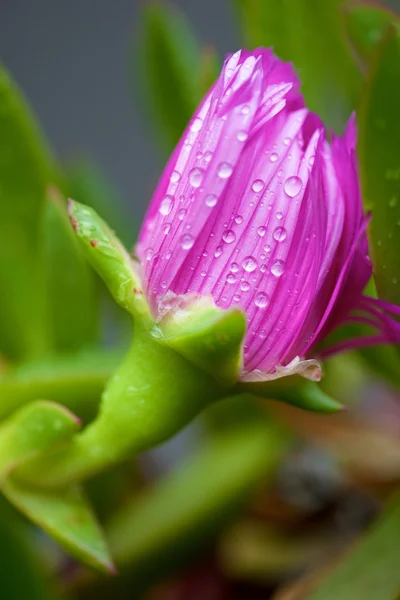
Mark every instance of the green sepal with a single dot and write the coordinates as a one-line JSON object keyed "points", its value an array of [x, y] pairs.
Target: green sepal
{"points": [[31, 430], [365, 23], [67, 517], [379, 143], [209, 337], [302, 394], [72, 297], [108, 257]]}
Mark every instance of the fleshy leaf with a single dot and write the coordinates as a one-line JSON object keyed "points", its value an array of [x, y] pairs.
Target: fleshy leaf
{"points": [[311, 35], [209, 337], [371, 570], [171, 61], [26, 170], [164, 525], [108, 257], [67, 517], [380, 165], [290, 390], [32, 429], [72, 310], [74, 381], [366, 23]]}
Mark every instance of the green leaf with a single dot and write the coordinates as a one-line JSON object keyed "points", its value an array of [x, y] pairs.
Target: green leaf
{"points": [[166, 525], [310, 34], [67, 517], [380, 164], [31, 430], [21, 574], [88, 185], [209, 337], [371, 570], [72, 310], [75, 381], [108, 256], [26, 170], [366, 22], [170, 64]]}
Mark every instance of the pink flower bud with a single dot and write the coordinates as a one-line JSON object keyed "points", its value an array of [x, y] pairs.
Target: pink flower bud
{"points": [[258, 210]]}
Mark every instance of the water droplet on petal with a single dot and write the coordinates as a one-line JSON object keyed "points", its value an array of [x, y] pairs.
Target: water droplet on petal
{"points": [[225, 170], [287, 141], [249, 264], [238, 219], [168, 255], [203, 274], [292, 186], [149, 253], [278, 268], [231, 278], [181, 214], [211, 200], [280, 234], [273, 157], [263, 268], [311, 160], [196, 177], [166, 205], [267, 248], [196, 125], [258, 185], [187, 241], [261, 300], [279, 216], [245, 110], [167, 228], [261, 230], [175, 177], [234, 267], [218, 251], [245, 286], [229, 236], [242, 136]]}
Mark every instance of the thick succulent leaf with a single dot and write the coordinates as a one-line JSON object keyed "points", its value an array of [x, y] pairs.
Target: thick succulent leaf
{"points": [[31, 430], [170, 63], [72, 302], [108, 256], [311, 35], [366, 22], [380, 163], [209, 337], [171, 522], [21, 574], [67, 517], [26, 170], [371, 570], [75, 381]]}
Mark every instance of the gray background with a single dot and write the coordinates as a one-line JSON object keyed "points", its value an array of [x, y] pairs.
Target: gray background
{"points": [[72, 59]]}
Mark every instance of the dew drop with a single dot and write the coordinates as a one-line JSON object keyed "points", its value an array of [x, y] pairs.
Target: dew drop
{"points": [[245, 286], [211, 200], [263, 268], [292, 186], [258, 185], [273, 157], [267, 248], [238, 219], [218, 251], [261, 230], [261, 300], [224, 170], [208, 157], [245, 110], [287, 141], [175, 177], [187, 241], [229, 236], [166, 205], [236, 298], [249, 264], [196, 177], [231, 278], [234, 267], [168, 255], [278, 268], [167, 228], [196, 125], [149, 253], [311, 160], [203, 274], [242, 136], [279, 216], [280, 234], [181, 214]]}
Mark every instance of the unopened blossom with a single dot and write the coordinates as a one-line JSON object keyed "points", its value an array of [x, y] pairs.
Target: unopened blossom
{"points": [[257, 210]]}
